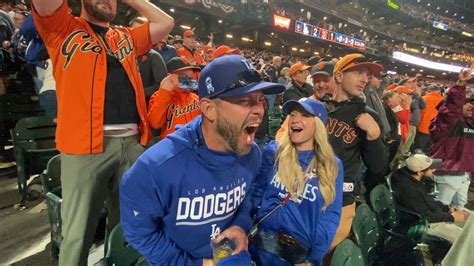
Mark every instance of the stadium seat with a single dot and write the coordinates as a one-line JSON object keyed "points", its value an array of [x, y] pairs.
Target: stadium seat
{"points": [[347, 254], [275, 117], [396, 220], [119, 252], [367, 233], [51, 180], [33, 144], [15, 107]]}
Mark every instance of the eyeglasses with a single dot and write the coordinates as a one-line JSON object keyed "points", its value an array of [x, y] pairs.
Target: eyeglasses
{"points": [[305, 72], [246, 78], [356, 60]]}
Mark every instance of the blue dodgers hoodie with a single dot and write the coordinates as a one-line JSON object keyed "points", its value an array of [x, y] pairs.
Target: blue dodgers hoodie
{"points": [[179, 194], [307, 222]]}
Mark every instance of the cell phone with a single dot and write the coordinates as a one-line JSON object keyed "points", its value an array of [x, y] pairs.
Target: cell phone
{"points": [[187, 83]]}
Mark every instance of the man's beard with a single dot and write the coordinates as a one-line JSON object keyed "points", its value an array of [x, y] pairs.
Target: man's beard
{"points": [[231, 134], [96, 13]]}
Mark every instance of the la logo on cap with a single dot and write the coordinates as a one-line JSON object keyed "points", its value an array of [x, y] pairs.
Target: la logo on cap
{"points": [[210, 88], [248, 64]]}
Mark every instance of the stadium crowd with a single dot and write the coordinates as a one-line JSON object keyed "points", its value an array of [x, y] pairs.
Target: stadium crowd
{"points": [[169, 126]]}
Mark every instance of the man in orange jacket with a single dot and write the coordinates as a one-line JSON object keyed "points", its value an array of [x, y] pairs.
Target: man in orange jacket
{"points": [[174, 103], [432, 99], [101, 107], [188, 51]]}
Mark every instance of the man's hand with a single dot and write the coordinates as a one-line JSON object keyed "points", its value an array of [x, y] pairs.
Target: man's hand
{"points": [[170, 82], [207, 262], [367, 123], [406, 100], [466, 74], [459, 216], [211, 37], [238, 235]]}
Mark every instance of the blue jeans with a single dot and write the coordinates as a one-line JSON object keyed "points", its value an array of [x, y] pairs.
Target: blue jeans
{"points": [[49, 102], [453, 189]]}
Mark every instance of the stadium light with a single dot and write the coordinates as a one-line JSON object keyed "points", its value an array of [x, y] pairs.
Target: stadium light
{"points": [[186, 27], [172, 10], [229, 36], [245, 39], [268, 43], [425, 63], [466, 34], [294, 49]]}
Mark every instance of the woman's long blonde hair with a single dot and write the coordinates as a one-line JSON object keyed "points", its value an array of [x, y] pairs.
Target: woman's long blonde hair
{"points": [[289, 169]]}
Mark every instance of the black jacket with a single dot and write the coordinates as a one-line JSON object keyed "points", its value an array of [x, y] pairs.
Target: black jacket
{"points": [[393, 122], [411, 194], [351, 145], [295, 92]]}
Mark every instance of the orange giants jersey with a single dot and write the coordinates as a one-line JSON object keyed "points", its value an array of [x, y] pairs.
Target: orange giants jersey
{"points": [[80, 69], [167, 109]]}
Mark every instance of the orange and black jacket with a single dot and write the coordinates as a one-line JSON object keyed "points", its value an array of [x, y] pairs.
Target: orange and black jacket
{"points": [[80, 70], [170, 108]]}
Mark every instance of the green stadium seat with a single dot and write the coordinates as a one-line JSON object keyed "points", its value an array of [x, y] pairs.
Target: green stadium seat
{"points": [[367, 233], [347, 254], [33, 144], [51, 180], [397, 220], [119, 252]]}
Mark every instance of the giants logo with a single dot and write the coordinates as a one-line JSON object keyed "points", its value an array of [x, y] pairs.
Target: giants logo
{"points": [[174, 111], [78, 40], [83, 42], [339, 128]]}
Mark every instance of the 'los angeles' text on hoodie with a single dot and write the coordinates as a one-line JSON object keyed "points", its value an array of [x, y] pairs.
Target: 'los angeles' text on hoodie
{"points": [[308, 222]]}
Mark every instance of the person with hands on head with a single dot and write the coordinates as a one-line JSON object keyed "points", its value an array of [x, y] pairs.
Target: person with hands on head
{"points": [[101, 122], [452, 132], [195, 185], [301, 164], [176, 102]]}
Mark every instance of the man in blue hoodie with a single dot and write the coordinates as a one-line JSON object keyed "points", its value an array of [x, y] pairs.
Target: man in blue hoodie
{"points": [[194, 185]]}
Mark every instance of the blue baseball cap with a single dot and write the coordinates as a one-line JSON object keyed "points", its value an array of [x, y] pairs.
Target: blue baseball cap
{"points": [[312, 106], [233, 75]]}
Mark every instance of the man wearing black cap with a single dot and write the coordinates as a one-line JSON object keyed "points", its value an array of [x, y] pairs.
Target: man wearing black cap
{"points": [[195, 185], [323, 81], [176, 102]]}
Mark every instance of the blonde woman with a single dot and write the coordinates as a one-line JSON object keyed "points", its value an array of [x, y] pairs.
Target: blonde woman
{"points": [[303, 168]]}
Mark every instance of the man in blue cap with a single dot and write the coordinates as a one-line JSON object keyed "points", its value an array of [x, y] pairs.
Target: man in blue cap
{"points": [[194, 185]]}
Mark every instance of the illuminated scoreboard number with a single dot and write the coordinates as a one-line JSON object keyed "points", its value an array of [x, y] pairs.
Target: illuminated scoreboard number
{"points": [[299, 27], [316, 32]]}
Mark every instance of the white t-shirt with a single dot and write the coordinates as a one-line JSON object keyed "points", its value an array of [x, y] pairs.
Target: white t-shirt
{"points": [[49, 84]]}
